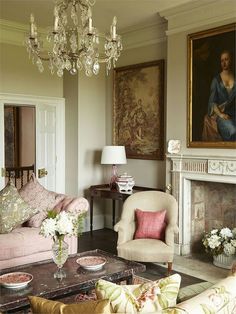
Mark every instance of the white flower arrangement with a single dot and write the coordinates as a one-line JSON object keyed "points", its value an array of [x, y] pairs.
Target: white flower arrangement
{"points": [[61, 224], [220, 241]]}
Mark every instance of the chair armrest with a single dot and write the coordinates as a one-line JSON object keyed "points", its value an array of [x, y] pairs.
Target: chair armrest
{"points": [[125, 231], [171, 230]]}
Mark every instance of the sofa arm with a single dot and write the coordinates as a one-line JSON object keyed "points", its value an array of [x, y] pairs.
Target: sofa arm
{"points": [[74, 204], [220, 298]]}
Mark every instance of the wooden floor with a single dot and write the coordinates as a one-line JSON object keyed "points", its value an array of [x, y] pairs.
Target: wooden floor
{"points": [[106, 239]]}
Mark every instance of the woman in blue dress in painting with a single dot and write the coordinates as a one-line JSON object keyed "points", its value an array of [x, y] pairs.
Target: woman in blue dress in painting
{"points": [[222, 99]]}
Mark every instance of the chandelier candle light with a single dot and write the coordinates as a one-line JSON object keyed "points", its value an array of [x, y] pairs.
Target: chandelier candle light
{"points": [[74, 46], [113, 155]]}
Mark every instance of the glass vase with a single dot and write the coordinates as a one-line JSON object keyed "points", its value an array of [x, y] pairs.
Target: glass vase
{"points": [[59, 255]]}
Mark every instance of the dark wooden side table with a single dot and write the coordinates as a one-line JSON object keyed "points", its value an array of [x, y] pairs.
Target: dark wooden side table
{"points": [[104, 191]]}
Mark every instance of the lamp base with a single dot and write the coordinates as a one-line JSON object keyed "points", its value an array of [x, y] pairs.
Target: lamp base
{"points": [[113, 186]]}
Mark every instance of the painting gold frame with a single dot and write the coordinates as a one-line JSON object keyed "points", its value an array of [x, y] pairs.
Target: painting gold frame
{"points": [[205, 50], [138, 110]]}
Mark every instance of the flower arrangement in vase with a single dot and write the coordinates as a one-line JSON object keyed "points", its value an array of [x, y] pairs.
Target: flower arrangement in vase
{"points": [[221, 244], [58, 225]]}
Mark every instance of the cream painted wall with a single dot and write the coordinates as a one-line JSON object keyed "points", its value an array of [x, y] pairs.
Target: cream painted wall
{"points": [[19, 76], [70, 93], [149, 173], [91, 138]]}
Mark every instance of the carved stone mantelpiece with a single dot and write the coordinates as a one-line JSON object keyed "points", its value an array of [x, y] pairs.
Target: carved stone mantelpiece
{"points": [[224, 167], [186, 168]]}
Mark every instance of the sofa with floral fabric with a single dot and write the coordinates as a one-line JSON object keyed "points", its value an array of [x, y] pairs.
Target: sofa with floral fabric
{"points": [[159, 297], [21, 214]]}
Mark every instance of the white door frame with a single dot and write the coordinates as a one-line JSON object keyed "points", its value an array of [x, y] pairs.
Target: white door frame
{"points": [[37, 101]]}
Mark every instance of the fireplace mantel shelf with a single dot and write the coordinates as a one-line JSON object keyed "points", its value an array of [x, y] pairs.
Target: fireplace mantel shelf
{"points": [[208, 165], [183, 156]]}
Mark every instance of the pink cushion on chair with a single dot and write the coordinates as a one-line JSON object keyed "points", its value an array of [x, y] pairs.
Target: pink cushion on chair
{"points": [[150, 224]]}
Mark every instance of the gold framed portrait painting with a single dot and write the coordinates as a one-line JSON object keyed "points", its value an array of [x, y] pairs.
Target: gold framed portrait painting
{"points": [[212, 88], [138, 109]]}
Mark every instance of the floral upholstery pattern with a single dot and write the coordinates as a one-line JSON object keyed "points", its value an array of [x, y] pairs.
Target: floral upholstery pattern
{"points": [[38, 197], [150, 297], [220, 298], [13, 209]]}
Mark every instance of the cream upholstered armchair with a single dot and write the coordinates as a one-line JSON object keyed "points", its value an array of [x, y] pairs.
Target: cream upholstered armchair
{"points": [[147, 250]]}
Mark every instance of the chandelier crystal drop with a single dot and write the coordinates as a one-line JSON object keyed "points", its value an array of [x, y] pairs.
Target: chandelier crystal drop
{"points": [[75, 46]]}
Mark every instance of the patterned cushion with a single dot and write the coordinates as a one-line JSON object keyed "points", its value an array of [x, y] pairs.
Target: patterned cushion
{"points": [[192, 290], [13, 209], [38, 197], [44, 306], [150, 225], [220, 298], [150, 297]]}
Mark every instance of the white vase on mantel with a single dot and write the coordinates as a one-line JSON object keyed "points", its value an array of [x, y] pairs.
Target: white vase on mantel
{"points": [[223, 261]]}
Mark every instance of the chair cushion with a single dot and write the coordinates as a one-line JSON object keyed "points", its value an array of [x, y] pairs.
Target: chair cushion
{"points": [[150, 297], [150, 224], [38, 197], [13, 209], [146, 250], [43, 306]]}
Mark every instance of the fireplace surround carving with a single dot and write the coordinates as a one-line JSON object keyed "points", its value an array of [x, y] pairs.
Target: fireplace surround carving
{"points": [[185, 169]]}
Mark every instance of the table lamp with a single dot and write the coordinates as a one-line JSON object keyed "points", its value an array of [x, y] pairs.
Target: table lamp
{"points": [[113, 155]]}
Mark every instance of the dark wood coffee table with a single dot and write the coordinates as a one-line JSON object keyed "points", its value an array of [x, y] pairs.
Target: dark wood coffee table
{"points": [[77, 279]]}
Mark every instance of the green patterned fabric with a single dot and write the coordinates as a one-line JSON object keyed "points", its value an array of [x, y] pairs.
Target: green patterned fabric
{"points": [[122, 300], [13, 209], [192, 290], [150, 297]]}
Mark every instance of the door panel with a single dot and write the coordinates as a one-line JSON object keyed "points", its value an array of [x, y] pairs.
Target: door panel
{"points": [[46, 145]]}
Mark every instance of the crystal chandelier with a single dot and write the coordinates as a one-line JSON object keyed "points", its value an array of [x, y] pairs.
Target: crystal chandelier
{"points": [[74, 46]]}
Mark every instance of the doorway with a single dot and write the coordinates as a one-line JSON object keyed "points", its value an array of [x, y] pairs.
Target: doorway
{"points": [[48, 138], [19, 138]]}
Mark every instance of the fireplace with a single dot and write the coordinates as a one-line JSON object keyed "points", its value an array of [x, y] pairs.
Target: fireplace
{"points": [[196, 182]]}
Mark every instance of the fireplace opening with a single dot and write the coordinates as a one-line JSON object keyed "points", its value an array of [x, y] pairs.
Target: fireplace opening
{"points": [[213, 205]]}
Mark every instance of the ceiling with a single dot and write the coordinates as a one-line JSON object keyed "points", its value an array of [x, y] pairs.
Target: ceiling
{"points": [[130, 13]]}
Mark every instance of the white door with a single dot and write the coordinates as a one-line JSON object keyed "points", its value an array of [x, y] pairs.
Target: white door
{"points": [[50, 137], [46, 145]]}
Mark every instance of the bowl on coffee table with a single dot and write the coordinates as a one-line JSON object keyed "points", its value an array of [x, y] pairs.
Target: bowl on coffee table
{"points": [[92, 263]]}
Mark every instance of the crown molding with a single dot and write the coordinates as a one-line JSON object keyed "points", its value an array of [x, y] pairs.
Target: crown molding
{"points": [[14, 34], [199, 13], [139, 36]]}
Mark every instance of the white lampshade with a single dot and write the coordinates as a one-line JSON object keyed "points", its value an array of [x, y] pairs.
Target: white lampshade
{"points": [[113, 155]]}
